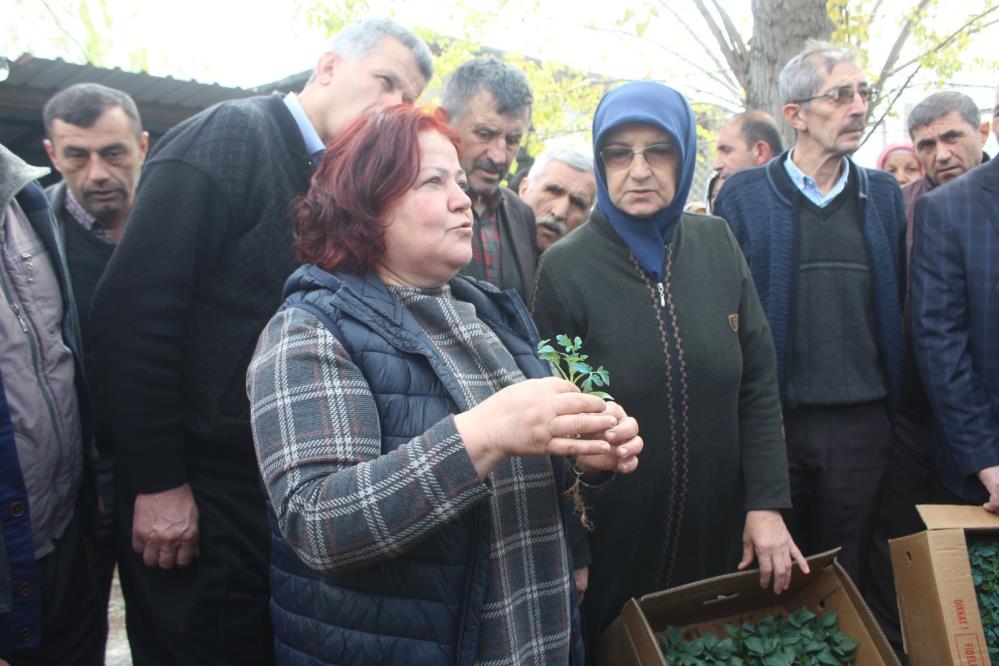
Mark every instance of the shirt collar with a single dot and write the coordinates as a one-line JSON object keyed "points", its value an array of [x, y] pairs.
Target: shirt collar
{"points": [[86, 220], [810, 188], [492, 200], [313, 143]]}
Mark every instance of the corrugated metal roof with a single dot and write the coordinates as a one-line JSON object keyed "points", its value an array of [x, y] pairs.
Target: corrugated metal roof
{"points": [[44, 74], [163, 101]]}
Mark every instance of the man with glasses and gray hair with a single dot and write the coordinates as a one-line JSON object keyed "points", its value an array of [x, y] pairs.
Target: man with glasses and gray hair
{"points": [[825, 242], [560, 189], [489, 102], [176, 318]]}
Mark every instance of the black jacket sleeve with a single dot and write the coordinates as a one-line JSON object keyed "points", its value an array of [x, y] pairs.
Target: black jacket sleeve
{"points": [[139, 318]]}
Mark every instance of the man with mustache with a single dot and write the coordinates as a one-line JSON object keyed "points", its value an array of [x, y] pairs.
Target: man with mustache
{"points": [[560, 189], [825, 242], [95, 140], [948, 134], [489, 103]]}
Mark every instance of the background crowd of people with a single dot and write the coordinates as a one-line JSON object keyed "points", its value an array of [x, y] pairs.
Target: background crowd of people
{"points": [[288, 385]]}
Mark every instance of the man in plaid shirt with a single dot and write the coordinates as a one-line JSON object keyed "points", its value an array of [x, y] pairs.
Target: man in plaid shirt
{"points": [[489, 103]]}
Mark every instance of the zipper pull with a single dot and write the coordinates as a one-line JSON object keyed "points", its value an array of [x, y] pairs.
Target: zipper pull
{"points": [[662, 294], [29, 265], [20, 320]]}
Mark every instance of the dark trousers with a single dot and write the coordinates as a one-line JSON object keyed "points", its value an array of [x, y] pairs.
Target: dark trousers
{"points": [[103, 560], [216, 611], [908, 482], [73, 622], [837, 456]]}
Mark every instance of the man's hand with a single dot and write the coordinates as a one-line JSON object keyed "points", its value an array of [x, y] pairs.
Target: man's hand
{"points": [[165, 528], [990, 479], [766, 538], [581, 577]]}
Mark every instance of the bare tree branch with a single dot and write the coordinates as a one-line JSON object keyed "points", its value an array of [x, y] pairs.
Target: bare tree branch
{"points": [[732, 57], [63, 30], [896, 48], [965, 29], [891, 105], [709, 51], [733, 34], [716, 76]]}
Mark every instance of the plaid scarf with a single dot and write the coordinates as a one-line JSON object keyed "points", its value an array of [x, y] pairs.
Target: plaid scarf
{"points": [[525, 619]]}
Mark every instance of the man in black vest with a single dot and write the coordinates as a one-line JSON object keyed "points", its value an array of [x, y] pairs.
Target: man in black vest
{"points": [[95, 140], [177, 316], [489, 103]]}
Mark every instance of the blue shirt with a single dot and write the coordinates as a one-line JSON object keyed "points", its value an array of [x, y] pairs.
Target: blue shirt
{"points": [[810, 188], [313, 143]]}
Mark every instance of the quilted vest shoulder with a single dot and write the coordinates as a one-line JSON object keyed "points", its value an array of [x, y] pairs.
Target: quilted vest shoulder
{"points": [[423, 607]]}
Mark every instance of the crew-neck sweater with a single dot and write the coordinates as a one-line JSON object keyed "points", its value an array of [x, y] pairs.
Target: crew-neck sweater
{"points": [[835, 360]]}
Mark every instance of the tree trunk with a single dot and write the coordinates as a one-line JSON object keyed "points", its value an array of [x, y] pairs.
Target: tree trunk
{"points": [[780, 30]]}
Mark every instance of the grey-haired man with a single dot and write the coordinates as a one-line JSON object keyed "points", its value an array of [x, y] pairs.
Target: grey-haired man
{"points": [[489, 103], [185, 296], [824, 239], [560, 188]]}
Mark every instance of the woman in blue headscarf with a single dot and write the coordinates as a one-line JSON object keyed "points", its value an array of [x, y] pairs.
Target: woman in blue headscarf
{"points": [[665, 302]]}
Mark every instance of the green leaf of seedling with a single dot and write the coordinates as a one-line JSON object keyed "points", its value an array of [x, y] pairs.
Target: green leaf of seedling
{"points": [[602, 395], [754, 645]]}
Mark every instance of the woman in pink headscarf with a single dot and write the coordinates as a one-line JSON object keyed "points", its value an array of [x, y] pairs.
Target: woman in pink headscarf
{"points": [[899, 159]]}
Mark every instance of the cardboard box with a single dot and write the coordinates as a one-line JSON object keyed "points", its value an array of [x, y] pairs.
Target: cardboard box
{"points": [[708, 605], [941, 624]]}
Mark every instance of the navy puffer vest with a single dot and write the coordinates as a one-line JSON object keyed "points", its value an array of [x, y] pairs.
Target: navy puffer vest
{"points": [[422, 608]]}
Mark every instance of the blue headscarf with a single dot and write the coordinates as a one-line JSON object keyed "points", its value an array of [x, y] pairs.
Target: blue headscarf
{"points": [[658, 105]]}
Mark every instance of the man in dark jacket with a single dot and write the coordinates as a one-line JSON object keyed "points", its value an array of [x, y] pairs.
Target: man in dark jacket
{"points": [[824, 240], [176, 318], [948, 136], [95, 140], [49, 610], [489, 103], [955, 316]]}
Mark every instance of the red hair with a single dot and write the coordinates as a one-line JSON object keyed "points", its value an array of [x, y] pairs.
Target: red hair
{"points": [[373, 162]]}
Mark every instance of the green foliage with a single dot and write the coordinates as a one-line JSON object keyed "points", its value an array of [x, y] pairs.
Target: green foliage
{"points": [[572, 366], [803, 639], [96, 21], [984, 558]]}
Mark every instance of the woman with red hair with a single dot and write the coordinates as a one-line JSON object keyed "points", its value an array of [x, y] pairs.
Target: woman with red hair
{"points": [[411, 442]]}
